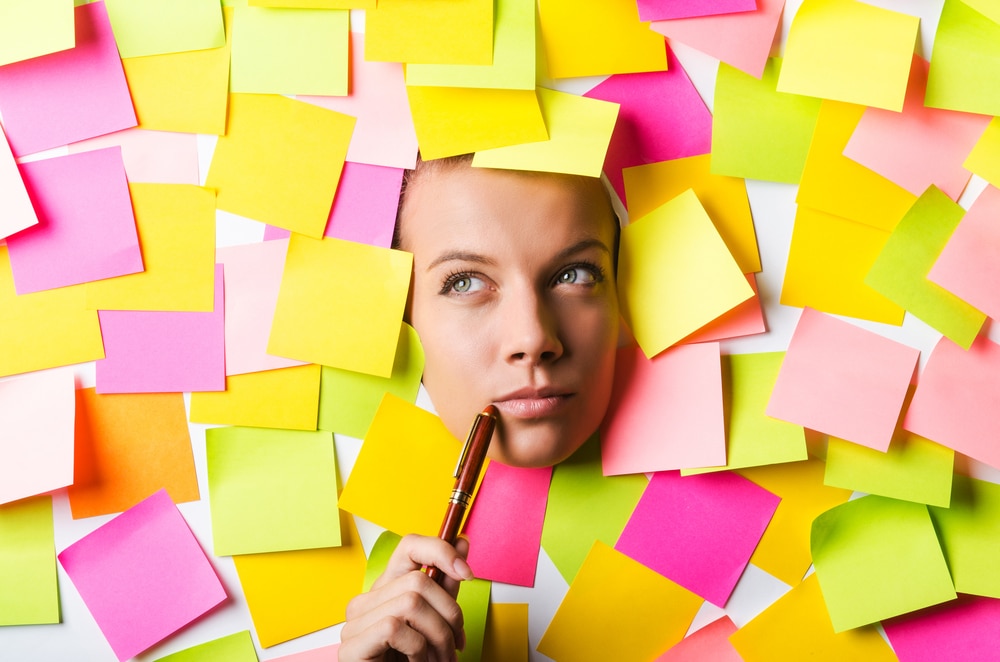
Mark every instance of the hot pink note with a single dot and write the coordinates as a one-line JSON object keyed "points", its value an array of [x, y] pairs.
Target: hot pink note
{"points": [[656, 10], [709, 643], [964, 629]]}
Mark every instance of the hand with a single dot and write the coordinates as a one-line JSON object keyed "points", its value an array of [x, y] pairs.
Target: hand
{"points": [[406, 615]]}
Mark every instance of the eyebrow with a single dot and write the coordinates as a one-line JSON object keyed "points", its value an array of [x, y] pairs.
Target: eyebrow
{"points": [[466, 256]]}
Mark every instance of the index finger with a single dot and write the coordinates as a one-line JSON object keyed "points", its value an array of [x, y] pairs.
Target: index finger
{"points": [[414, 552]]}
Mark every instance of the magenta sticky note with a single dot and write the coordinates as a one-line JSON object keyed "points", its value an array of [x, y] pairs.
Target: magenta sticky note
{"points": [[164, 352], [699, 533], [840, 379], [86, 228], [143, 575], [504, 527], [665, 412], [364, 208], [657, 10], [960, 630], [70, 95], [642, 135]]}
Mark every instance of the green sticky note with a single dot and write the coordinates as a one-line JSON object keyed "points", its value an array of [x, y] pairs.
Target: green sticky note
{"points": [[29, 589], [900, 271], [155, 27], [30, 28], [378, 558], [290, 51], [474, 599], [753, 438], [236, 647], [271, 490], [348, 400], [913, 469], [965, 64], [584, 506], [877, 558], [970, 535], [758, 132]]}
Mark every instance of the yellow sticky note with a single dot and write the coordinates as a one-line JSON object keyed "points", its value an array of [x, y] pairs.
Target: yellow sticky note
{"points": [[430, 32], [618, 609], [282, 398], [155, 27], [849, 51], [724, 198], [459, 120], [403, 474], [29, 28], [341, 304], [828, 260], [579, 134], [506, 636], [984, 159], [280, 161], [44, 329], [674, 254], [598, 37], [176, 225]]}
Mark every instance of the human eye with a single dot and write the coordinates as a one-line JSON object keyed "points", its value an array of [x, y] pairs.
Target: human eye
{"points": [[462, 282], [583, 273]]}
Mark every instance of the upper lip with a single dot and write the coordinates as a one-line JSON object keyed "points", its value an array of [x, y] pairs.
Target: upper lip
{"points": [[533, 393]]}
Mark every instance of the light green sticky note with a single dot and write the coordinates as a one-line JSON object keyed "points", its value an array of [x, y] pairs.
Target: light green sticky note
{"points": [[579, 134], [513, 55], [913, 469], [155, 27], [30, 28], [584, 506], [378, 558], [348, 400], [970, 535], [290, 51], [965, 64], [29, 589], [474, 599], [753, 438], [758, 132], [877, 558], [271, 490], [236, 647], [900, 271]]}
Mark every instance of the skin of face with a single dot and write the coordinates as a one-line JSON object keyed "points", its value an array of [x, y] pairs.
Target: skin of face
{"points": [[515, 304]]}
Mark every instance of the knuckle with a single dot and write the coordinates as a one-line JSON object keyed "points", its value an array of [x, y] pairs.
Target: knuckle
{"points": [[411, 601]]}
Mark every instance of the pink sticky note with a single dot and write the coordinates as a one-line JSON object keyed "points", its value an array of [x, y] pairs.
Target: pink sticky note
{"points": [[843, 380], [505, 525], [384, 133], [698, 533], [665, 412], [38, 411], [16, 212], [641, 135], [955, 402], [159, 157], [919, 146], [746, 319], [322, 654], [143, 575], [740, 40], [164, 352], [657, 10], [86, 228], [964, 629], [709, 643], [968, 266], [70, 95], [253, 279]]}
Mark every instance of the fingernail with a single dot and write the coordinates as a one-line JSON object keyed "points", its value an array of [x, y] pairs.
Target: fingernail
{"points": [[463, 569]]}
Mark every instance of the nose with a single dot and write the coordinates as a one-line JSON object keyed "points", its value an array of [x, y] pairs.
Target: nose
{"points": [[531, 329]]}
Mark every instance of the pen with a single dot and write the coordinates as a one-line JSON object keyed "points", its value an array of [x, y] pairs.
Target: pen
{"points": [[470, 465]]}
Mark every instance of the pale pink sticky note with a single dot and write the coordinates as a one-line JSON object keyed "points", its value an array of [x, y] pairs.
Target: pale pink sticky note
{"points": [[253, 279], [322, 654], [968, 266], [143, 575], [919, 146], [746, 319], [38, 414], [16, 212], [843, 380], [384, 133], [661, 117], [699, 533], [505, 526], [86, 228], [665, 412], [70, 95], [709, 643], [740, 40], [960, 630], [955, 403], [658, 10], [157, 157], [164, 352]]}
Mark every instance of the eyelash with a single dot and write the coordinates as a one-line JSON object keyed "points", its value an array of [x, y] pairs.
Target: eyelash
{"points": [[595, 269]]}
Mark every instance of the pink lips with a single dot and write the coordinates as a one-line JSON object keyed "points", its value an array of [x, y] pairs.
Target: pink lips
{"points": [[532, 403]]}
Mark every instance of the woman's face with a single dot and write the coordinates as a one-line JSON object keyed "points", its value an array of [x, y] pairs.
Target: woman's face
{"points": [[514, 302]]}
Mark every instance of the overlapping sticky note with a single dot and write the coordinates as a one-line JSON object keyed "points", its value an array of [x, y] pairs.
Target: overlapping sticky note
{"points": [[430, 32], [29, 588], [341, 304], [16, 212], [127, 571], [281, 398], [877, 558], [984, 159], [843, 380], [364, 209], [965, 62], [746, 319], [658, 10], [271, 490], [708, 643], [969, 530], [30, 28], [165, 157], [236, 647], [506, 636], [675, 253], [959, 630], [165, 26]]}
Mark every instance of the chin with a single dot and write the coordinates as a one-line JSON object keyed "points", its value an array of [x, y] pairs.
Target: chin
{"points": [[528, 449]]}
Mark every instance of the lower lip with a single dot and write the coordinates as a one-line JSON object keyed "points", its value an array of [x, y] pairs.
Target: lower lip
{"points": [[533, 407]]}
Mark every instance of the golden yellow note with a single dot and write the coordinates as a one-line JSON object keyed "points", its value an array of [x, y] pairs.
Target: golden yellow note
{"points": [[282, 398], [506, 636], [430, 31]]}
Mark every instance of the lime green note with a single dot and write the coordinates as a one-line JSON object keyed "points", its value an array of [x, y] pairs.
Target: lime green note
{"points": [[156, 27], [970, 533], [965, 64], [29, 589], [877, 558], [30, 28], [236, 647], [430, 32], [474, 599], [378, 558], [988, 8], [984, 159], [900, 271]]}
